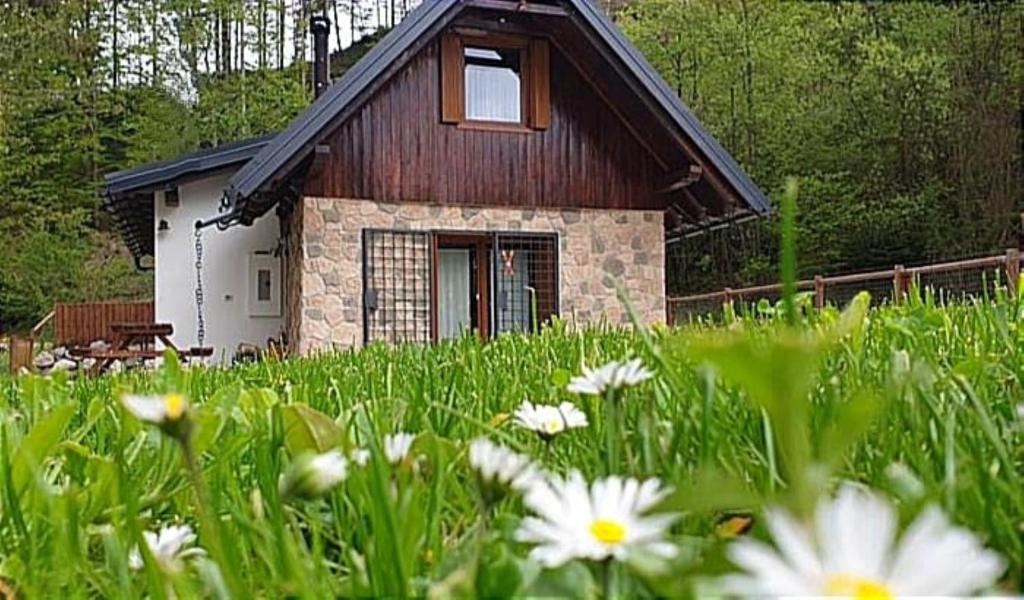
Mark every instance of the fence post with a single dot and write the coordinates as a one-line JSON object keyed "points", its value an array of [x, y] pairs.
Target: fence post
{"points": [[899, 282], [819, 292], [1012, 270], [727, 296]]}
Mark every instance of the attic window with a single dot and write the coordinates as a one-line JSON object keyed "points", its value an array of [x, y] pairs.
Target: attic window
{"points": [[494, 87], [496, 81]]}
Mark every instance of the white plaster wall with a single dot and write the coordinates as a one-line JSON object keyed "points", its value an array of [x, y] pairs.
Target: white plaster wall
{"points": [[225, 271]]}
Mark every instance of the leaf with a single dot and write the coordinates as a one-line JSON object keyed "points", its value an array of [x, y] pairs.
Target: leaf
{"points": [[498, 575], [560, 378], [38, 444], [255, 406], [711, 490], [102, 475], [572, 580], [852, 420], [209, 424], [307, 429], [458, 584]]}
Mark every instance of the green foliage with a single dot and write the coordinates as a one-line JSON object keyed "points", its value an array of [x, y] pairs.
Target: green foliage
{"points": [[241, 105], [899, 120]]}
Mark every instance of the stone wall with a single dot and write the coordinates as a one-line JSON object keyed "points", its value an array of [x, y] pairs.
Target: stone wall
{"points": [[598, 248], [293, 269]]}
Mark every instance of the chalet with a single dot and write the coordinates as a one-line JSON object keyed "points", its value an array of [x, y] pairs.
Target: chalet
{"points": [[489, 164]]}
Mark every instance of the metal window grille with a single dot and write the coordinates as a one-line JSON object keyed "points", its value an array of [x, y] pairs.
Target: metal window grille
{"points": [[396, 286], [525, 281]]}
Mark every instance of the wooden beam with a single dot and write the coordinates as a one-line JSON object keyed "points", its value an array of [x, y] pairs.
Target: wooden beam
{"points": [[686, 213], [691, 200], [476, 25], [518, 7], [681, 179]]}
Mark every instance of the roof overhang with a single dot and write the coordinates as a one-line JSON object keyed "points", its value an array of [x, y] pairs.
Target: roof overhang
{"points": [[128, 194]]}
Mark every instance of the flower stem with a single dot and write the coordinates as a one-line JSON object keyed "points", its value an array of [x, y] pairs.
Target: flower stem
{"points": [[608, 579], [611, 428], [209, 526]]}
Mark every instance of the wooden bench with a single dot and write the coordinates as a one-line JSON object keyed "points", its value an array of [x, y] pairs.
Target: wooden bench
{"points": [[137, 341]]}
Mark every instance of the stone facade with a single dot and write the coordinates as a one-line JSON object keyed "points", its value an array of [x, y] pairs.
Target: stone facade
{"points": [[598, 249], [293, 267]]}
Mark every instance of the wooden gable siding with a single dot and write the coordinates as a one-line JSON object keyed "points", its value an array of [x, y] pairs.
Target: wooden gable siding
{"points": [[396, 149]]}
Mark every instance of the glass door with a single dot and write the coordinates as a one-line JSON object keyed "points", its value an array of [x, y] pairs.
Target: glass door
{"points": [[462, 275], [454, 295]]}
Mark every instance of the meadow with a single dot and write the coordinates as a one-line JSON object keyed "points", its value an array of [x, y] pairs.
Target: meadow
{"points": [[920, 403]]}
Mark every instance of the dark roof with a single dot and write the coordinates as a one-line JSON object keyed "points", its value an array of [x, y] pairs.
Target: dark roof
{"points": [[298, 140], [203, 161], [303, 131], [128, 194]]}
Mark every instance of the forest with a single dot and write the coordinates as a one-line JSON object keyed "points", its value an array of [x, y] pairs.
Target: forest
{"points": [[902, 122]]}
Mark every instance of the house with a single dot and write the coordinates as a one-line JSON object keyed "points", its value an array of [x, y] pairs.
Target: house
{"points": [[489, 164]]}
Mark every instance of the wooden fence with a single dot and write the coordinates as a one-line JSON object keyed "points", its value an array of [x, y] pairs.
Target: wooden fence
{"points": [[77, 325], [80, 324], [964, 278]]}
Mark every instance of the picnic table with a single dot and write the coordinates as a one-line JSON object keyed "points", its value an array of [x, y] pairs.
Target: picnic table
{"points": [[137, 341]]}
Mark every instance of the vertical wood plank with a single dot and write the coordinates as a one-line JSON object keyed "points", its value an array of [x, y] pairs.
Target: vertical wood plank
{"points": [[397, 148]]}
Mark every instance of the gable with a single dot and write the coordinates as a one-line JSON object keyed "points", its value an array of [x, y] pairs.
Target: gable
{"points": [[396, 148], [701, 184]]}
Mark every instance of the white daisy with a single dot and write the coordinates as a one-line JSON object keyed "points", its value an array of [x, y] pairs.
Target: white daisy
{"points": [[608, 520], [169, 412], [852, 552], [396, 447], [499, 466], [312, 475], [169, 547], [360, 456], [548, 420], [611, 376], [157, 410]]}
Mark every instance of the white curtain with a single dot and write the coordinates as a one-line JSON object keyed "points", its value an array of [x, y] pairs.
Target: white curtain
{"points": [[492, 94], [453, 292]]}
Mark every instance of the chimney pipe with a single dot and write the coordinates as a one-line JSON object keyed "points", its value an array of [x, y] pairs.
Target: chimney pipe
{"points": [[320, 26]]}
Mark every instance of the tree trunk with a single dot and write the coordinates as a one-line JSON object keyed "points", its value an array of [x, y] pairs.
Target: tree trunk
{"points": [[225, 43]]}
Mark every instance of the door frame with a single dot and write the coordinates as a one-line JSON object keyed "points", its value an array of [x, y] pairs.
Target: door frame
{"points": [[480, 262]]}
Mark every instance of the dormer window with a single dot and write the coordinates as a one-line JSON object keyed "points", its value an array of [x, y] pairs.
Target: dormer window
{"points": [[495, 81], [494, 87]]}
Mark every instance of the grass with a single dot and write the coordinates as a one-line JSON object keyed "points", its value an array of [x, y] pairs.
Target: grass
{"points": [[787, 411]]}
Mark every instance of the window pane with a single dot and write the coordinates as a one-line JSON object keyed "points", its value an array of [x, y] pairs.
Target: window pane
{"points": [[263, 285], [493, 85], [396, 286], [526, 267]]}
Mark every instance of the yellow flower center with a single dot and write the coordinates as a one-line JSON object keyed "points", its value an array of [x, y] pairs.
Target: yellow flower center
{"points": [[553, 426], [608, 532], [175, 405], [858, 588]]}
